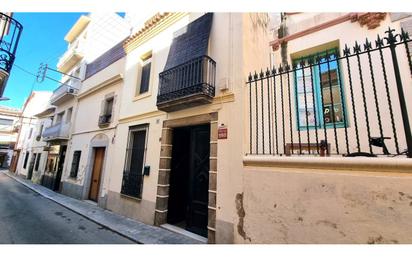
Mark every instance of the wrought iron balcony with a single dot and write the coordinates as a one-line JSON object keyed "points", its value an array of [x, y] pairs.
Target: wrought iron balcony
{"points": [[62, 94], [10, 31], [187, 85], [105, 120], [58, 131]]}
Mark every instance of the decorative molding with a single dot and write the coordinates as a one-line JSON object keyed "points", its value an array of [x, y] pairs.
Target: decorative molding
{"points": [[152, 27], [338, 164], [141, 116], [108, 82], [371, 20]]}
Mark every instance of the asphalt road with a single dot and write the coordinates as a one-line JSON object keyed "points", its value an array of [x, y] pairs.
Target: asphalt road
{"points": [[28, 218]]}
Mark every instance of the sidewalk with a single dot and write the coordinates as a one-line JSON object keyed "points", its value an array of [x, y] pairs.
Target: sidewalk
{"points": [[132, 229]]}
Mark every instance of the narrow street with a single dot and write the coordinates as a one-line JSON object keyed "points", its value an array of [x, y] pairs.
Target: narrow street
{"points": [[28, 218]]}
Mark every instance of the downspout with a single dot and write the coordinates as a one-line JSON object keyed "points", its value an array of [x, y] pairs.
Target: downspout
{"points": [[283, 32]]}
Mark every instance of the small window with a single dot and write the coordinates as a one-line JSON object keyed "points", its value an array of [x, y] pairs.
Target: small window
{"points": [[145, 73], [40, 131], [144, 83], [30, 133], [69, 114], [132, 182], [109, 106], [26, 158], [59, 118], [36, 167], [309, 91], [75, 164]]}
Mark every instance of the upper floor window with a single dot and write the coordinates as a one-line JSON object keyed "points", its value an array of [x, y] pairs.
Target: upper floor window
{"points": [[69, 114], [30, 133], [107, 111], [59, 117], [318, 92], [145, 73]]}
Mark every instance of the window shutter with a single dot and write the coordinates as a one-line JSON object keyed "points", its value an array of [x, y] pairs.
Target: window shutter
{"points": [[144, 83]]}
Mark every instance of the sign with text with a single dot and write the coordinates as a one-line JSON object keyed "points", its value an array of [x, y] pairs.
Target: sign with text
{"points": [[222, 132]]}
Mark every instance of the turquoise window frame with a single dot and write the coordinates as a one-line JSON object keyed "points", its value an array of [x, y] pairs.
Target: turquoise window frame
{"points": [[318, 96]]}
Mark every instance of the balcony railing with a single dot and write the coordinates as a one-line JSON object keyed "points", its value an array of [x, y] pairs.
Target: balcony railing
{"points": [[62, 94], [186, 85], [10, 31], [104, 120], [59, 131]]}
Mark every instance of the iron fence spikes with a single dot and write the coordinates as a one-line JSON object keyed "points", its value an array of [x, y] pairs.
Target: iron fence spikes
{"points": [[379, 42], [367, 46], [346, 50], [404, 35], [309, 94], [357, 48]]}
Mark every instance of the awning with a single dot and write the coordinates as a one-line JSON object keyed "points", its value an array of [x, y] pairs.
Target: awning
{"points": [[190, 41]]}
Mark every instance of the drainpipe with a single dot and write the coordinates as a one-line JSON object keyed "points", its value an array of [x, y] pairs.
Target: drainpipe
{"points": [[283, 32]]}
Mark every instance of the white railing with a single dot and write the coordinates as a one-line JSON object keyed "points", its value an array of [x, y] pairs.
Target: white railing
{"points": [[76, 48], [60, 130], [62, 90]]}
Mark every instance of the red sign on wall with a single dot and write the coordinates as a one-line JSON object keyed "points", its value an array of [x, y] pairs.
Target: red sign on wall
{"points": [[222, 132]]}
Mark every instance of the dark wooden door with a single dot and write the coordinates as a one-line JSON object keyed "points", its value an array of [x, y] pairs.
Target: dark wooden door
{"points": [[14, 160], [189, 179], [31, 166], [60, 165], [198, 180], [96, 173]]}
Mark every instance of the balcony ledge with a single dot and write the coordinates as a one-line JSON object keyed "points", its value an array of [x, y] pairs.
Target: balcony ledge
{"points": [[381, 164], [67, 63], [185, 102]]}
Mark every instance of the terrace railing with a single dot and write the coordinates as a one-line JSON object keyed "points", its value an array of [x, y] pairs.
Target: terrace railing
{"points": [[195, 77], [10, 31], [335, 104]]}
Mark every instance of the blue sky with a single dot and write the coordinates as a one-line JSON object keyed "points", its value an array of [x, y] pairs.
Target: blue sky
{"points": [[42, 40]]}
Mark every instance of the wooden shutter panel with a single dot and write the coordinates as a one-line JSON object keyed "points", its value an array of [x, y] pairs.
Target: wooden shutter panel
{"points": [[144, 84]]}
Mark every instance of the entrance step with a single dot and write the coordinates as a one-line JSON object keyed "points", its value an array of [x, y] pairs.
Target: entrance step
{"points": [[184, 232]]}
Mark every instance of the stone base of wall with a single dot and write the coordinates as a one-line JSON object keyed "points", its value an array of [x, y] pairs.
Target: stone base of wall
{"points": [[72, 190], [325, 202], [141, 210]]}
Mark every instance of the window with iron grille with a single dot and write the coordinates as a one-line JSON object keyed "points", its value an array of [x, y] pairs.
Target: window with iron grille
{"points": [[36, 167], [133, 169], [75, 164], [318, 90]]}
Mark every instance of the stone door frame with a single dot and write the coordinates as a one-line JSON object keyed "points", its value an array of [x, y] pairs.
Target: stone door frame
{"points": [[163, 185]]}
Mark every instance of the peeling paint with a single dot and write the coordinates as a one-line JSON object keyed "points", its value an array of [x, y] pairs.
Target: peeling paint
{"points": [[241, 213], [380, 240]]}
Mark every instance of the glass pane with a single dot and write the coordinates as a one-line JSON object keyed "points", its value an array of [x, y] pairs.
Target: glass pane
{"points": [[302, 117], [335, 94], [328, 114]]}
